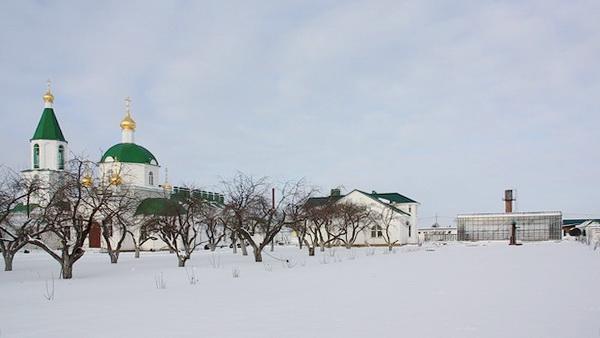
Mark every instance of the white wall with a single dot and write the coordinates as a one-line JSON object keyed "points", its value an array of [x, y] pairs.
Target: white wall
{"points": [[48, 153], [132, 173], [399, 229]]}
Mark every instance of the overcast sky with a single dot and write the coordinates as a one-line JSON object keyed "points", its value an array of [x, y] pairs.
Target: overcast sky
{"points": [[447, 102]]}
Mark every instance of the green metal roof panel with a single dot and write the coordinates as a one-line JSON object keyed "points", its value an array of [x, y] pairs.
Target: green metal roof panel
{"points": [[159, 207], [394, 197], [48, 127], [129, 153]]}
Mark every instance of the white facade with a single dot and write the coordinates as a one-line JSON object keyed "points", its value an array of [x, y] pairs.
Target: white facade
{"points": [[136, 174], [402, 224]]}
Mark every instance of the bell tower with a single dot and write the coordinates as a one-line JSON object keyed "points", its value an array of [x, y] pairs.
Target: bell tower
{"points": [[48, 146]]}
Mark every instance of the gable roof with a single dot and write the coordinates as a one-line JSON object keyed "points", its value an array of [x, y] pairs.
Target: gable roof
{"points": [[393, 197], [48, 127], [575, 222], [377, 199], [318, 201]]}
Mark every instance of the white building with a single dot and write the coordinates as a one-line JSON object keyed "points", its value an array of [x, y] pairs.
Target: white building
{"points": [[437, 233], [399, 209], [125, 164]]}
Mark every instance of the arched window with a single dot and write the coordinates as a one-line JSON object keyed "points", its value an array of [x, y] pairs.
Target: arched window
{"points": [[36, 156], [150, 178], [61, 157]]}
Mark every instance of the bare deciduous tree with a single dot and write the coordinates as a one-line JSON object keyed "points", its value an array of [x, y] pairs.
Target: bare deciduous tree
{"points": [[119, 215], [382, 224], [212, 220], [353, 219], [179, 223], [18, 214], [318, 225], [68, 212], [255, 214]]}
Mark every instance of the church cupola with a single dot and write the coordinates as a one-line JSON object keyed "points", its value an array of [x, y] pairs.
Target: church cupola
{"points": [[127, 124], [48, 144]]}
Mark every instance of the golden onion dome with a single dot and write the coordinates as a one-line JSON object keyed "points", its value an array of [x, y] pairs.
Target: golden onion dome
{"points": [[128, 122], [87, 181], [116, 179], [48, 97]]}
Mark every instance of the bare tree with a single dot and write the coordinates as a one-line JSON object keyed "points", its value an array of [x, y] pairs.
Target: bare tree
{"points": [[68, 212], [382, 224], [18, 214], [353, 219], [119, 215], [141, 231], [179, 223], [214, 227], [318, 225], [256, 214]]}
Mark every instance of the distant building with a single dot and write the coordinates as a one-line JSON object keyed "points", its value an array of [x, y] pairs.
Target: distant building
{"points": [[437, 234], [531, 226]]}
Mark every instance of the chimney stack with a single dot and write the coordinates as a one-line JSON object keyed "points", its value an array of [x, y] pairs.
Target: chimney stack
{"points": [[508, 201]]}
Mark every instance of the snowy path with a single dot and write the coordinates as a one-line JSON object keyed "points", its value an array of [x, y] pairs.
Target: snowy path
{"points": [[490, 290]]}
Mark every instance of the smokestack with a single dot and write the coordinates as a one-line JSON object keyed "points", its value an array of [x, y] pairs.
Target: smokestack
{"points": [[273, 197], [508, 201]]}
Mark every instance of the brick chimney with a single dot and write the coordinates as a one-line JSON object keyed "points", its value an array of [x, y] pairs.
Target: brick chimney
{"points": [[508, 201]]}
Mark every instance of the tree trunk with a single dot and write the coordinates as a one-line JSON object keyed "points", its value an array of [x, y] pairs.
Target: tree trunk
{"points": [[322, 246], [67, 268], [181, 261], [257, 255], [8, 260], [234, 244], [114, 257], [348, 246], [311, 251], [243, 245], [137, 252], [213, 247], [390, 247], [300, 243], [272, 245]]}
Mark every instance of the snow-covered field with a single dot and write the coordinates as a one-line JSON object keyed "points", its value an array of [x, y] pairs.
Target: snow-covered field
{"points": [[479, 290]]}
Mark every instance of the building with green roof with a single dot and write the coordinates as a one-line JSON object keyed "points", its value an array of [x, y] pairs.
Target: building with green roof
{"points": [[130, 163], [48, 146]]}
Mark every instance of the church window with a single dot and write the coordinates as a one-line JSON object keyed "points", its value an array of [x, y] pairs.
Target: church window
{"points": [[376, 232], [61, 157], [36, 156], [150, 178]]}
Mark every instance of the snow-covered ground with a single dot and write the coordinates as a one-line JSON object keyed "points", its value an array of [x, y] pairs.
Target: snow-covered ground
{"points": [[479, 290]]}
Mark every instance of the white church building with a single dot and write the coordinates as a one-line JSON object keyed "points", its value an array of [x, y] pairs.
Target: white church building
{"points": [[125, 164]]}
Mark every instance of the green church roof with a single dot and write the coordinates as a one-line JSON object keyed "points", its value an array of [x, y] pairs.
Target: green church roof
{"points": [[159, 207], [129, 153], [48, 127]]}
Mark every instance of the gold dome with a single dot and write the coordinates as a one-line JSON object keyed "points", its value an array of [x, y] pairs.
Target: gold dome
{"points": [[128, 122], [48, 97], [87, 181], [116, 179]]}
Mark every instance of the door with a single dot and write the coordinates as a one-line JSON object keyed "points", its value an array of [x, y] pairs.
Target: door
{"points": [[94, 235]]}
